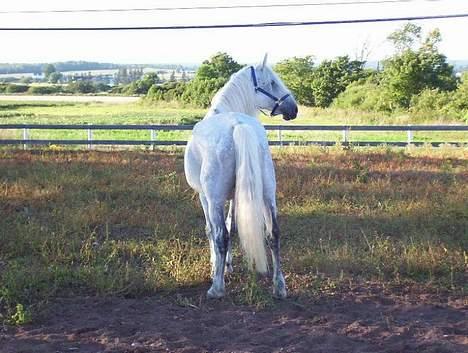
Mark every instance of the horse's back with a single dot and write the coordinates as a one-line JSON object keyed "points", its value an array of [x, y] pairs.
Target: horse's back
{"points": [[217, 129], [210, 159]]}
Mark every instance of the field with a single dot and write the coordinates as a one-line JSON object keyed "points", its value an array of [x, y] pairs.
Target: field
{"points": [[10, 99], [105, 250], [140, 113]]}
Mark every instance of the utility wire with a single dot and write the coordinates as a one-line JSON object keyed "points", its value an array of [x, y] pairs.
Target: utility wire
{"points": [[244, 25], [213, 7]]}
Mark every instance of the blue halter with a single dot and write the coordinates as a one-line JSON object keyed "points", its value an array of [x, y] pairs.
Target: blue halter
{"points": [[278, 101]]}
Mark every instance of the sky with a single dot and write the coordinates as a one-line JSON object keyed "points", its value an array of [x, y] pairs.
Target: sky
{"points": [[194, 46]]}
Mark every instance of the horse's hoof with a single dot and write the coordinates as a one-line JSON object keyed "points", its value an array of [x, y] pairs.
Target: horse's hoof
{"points": [[215, 293], [280, 293], [279, 288]]}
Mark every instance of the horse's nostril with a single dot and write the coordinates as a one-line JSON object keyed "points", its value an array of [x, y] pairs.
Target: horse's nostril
{"points": [[296, 110]]}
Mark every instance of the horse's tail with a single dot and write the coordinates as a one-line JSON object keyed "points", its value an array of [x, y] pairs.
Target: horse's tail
{"points": [[252, 220]]}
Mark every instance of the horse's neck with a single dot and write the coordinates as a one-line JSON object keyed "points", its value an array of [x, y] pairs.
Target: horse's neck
{"points": [[236, 96]]}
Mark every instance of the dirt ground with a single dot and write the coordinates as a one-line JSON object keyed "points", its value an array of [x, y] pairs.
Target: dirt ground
{"points": [[362, 319]]}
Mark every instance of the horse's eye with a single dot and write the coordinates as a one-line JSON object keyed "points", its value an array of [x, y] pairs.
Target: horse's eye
{"points": [[273, 83]]}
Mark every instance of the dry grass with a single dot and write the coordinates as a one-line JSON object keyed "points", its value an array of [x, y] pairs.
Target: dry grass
{"points": [[126, 223]]}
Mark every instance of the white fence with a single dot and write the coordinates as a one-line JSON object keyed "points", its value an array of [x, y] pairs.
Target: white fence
{"points": [[346, 131]]}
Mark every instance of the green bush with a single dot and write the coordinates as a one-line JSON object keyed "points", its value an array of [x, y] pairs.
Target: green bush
{"points": [[12, 88], [82, 87], [460, 96], [210, 77], [169, 91], [430, 104], [117, 90], [200, 92], [142, 86], [102, 87], [363, 95], [44, 90]]}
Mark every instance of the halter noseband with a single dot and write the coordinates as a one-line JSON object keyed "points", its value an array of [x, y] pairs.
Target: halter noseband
{"points": [[278, 101]]}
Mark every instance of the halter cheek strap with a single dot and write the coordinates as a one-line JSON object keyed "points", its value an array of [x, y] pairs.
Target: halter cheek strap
{"points": [[278, 101]]}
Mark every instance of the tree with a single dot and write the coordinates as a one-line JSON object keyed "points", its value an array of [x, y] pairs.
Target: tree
{"points": [[410, 71], [209, 78], [332, 77], [48, 70], [26, 80], [122, 76], [297, 74], [220, 65], [142, 86], [183, 77], [55, 77], [318, 86], [404, 38], [172, 76]]}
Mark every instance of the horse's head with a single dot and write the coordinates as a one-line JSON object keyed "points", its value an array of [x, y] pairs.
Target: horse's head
{"points": [[271, 93]]}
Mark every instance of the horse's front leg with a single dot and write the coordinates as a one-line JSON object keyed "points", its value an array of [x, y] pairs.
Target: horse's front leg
{"points": [[220, 238]]}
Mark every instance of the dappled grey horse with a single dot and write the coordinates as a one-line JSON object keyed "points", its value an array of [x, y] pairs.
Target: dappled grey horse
{"points": [[228, 158]]}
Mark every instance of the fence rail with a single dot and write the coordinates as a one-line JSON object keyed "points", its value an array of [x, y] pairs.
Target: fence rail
{"points": [[153, 141], [267, 127]]}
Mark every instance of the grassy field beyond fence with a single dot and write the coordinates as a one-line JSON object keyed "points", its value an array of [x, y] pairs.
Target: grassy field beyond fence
{"points": [[127, 224], [167, 113]]}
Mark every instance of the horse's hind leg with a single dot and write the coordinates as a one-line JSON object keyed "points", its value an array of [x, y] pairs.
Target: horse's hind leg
{"points": [[273, 234], [220, 236], [231, 227], [279, 285], [204, 203]]}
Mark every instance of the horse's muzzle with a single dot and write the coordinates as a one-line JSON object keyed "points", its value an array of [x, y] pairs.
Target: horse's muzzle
{"points": [[289, 110]]}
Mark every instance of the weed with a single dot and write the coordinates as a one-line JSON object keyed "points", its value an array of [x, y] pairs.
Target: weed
{"points": [[254, 293], [21, 316]]}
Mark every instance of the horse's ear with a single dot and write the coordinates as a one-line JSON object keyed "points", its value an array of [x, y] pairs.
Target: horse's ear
{"points": [[264, 60]]}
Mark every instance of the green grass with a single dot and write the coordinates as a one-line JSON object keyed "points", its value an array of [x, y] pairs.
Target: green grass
{"points": [[95, 113], [166, 113], [127, 224]]}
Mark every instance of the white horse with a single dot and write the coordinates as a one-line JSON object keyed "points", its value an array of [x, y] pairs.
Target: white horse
{"points": [[228, 158]]}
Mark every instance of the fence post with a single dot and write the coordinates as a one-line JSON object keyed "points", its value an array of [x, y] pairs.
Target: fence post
{"points": [[153, 138], [25, 137], [346, 135], [280, 137], [90, 138], [409, 134]]}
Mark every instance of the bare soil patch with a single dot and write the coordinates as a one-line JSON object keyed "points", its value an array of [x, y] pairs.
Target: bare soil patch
{"points": [[362, 319]]}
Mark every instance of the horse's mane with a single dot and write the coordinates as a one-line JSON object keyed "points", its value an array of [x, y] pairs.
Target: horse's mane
{"points": [[236, 95]]}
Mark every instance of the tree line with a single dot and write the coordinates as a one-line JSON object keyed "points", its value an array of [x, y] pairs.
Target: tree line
{"points": [[416, 78], [38, 69]]}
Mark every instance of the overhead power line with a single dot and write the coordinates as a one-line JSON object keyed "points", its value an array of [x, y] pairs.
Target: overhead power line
{"points": [[243, 25], [303, 4]]}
